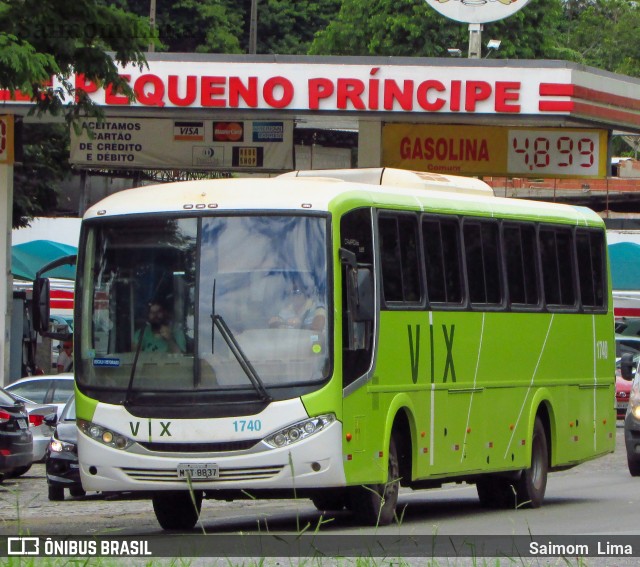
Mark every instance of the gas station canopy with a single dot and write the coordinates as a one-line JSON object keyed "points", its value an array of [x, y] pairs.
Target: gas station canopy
{"points": [[468, 116]]}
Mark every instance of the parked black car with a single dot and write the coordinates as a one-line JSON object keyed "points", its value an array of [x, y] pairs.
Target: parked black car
{"points": [[61, 462], [16, 440]]}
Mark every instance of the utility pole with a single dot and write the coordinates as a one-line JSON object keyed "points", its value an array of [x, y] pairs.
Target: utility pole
{"points": [[152, 22], [475, 41], [253, 28], [6, 281]]}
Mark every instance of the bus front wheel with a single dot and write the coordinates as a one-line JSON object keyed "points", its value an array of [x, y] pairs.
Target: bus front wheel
{"points": [[375, 504], [330, 501], [177, 510]]}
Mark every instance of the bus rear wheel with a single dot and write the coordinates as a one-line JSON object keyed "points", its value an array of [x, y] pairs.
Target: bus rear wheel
{"points": [[496, 492], [528, 490], [177, 510], [533, 482], [375, 504]]}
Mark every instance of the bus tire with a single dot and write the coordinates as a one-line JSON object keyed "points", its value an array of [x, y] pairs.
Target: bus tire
{"points": [[375, 504], [55, 493], [532, 484], [331, 501], [495, 492], [176, 510], [77, 491]]}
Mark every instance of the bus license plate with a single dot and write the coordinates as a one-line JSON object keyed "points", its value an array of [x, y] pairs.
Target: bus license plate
{"points": [[198, 471]]}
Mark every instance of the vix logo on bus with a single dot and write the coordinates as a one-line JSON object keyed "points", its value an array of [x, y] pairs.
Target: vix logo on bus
{"points": [[163, 430], [414, 352]]}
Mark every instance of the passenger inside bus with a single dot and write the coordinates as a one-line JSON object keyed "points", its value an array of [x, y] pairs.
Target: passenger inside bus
{"points": [[159, 333], [300, 312]]}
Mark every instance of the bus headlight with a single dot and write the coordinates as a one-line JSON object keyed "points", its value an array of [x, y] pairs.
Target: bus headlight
{"points": [[298, 431], [104, 435]]}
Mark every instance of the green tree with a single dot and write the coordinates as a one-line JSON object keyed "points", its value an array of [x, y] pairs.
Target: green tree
{"points": [[606, 34], [188, 26], [222, 26], [287, 27], [413, 28], [44, 165], [40, 39], [48, 38]]}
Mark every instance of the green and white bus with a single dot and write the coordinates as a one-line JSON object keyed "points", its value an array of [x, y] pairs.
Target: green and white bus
{"points": [[447, 335]]}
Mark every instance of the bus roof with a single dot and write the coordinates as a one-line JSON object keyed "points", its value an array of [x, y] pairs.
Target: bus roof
{"points": [[328, 190]]}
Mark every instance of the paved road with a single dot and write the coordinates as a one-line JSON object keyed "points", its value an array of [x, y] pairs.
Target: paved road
{"points": [[596, 497], [599, 497]]}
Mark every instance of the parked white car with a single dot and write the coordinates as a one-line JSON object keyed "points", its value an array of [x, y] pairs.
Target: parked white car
{"points": [[52, 389]]}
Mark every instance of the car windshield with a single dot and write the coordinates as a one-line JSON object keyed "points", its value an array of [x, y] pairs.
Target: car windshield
{"points": [[7, 400], [167, 301], [33, 390], [69, 411]]}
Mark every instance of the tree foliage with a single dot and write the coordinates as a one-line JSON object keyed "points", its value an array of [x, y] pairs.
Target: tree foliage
{"points": [[44, 165], [48, 38], [413, 28], [222, 26], [189, 26], [604, 34], [40, 39]]}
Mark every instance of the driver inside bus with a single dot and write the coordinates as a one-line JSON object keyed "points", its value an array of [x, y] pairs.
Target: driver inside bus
{"points": [[160, 335], [301, 312]]}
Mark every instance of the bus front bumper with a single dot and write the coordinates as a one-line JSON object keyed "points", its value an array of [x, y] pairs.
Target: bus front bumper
{"points": [[314, 462]]}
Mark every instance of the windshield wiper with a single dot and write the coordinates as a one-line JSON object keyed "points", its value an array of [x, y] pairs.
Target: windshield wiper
{"points": [[241, 357], [219, 323], [134, 364]]}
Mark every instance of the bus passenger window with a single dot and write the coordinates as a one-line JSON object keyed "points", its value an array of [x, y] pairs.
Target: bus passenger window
{"points": [[557, 266], [590, 249], [483, 266], [441, 241], [520, 259], [399, 258]]}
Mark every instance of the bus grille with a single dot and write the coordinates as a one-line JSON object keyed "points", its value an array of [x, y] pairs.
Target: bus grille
{"points": [[201, 447], [171, 475]]}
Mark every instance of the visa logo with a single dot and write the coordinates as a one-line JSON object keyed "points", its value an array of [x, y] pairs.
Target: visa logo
{"points": [[188, 131]]}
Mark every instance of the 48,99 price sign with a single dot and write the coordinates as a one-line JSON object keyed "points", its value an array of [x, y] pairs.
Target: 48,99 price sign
{"points": [[575, 152], [496, 150]]}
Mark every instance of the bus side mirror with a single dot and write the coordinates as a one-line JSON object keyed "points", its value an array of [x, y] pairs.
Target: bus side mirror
{"points": [[626, 366], [40, 312], [40, 305], [359, 289], [360, 303]]}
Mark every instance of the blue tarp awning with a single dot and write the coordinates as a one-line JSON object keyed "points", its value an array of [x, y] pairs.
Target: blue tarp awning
{"points": [[29, 257], [624, 258]]}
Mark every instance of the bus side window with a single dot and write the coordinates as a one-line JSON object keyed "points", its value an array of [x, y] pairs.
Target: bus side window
{"points": [[556, 252], [591, 267], [441, 243], [355, 236], [481, 246], [399, 257], [520, 261]]}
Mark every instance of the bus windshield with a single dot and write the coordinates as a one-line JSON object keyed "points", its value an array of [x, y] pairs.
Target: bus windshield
{"points": [[185, 304]]}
